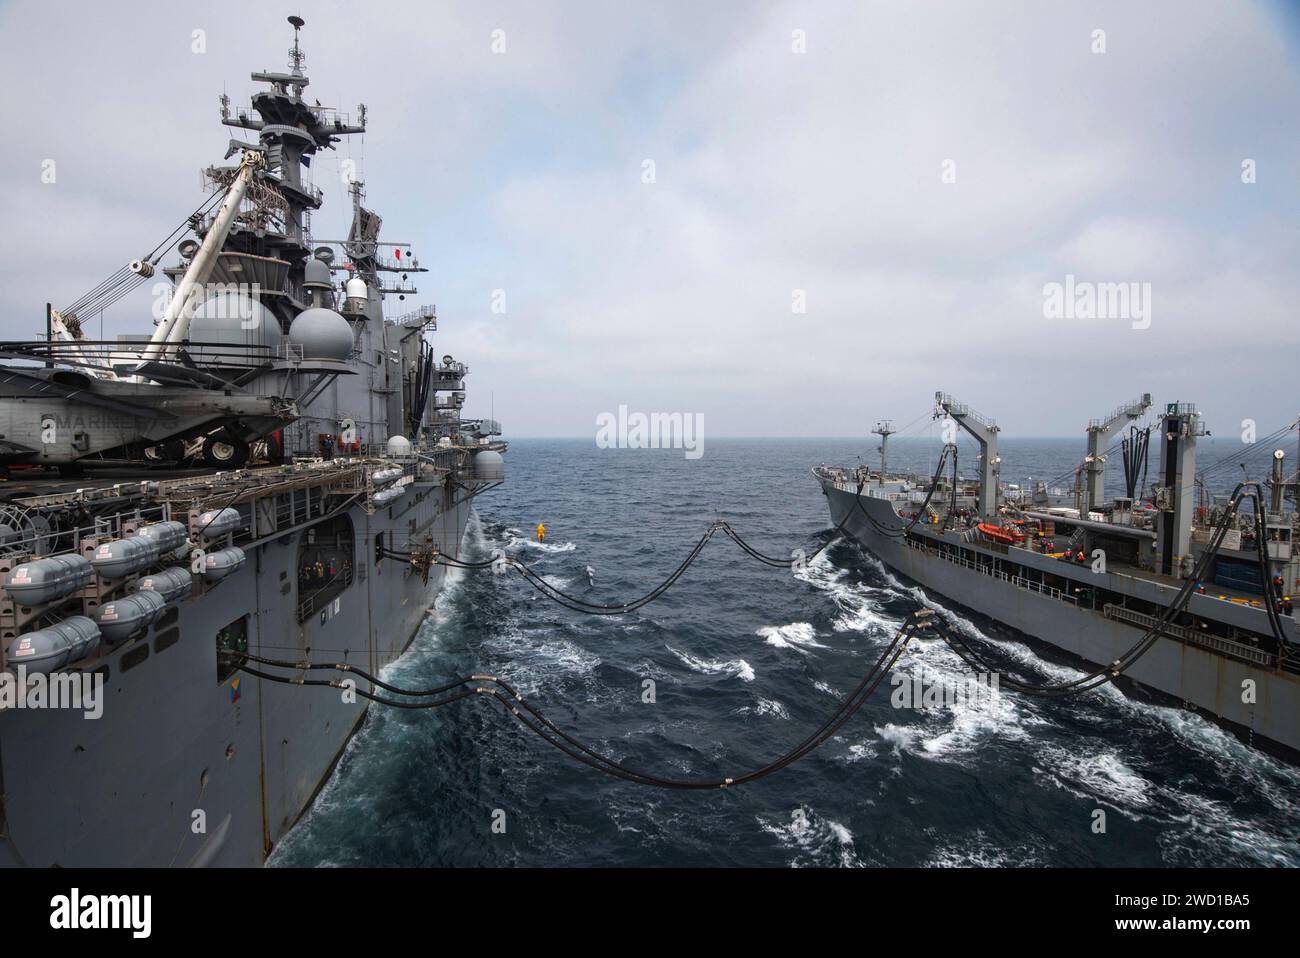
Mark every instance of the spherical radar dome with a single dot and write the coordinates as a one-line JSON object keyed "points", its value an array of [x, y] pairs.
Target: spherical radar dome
{"points": [[322, 334], [489, 466], [232, 318]]}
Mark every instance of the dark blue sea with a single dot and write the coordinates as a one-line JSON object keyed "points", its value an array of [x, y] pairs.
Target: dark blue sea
{"points": [[746, 661]]}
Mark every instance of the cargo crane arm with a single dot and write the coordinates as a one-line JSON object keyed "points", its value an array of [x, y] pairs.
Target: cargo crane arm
{"points": [[985, 432], [175, 323], [1100, 433]]}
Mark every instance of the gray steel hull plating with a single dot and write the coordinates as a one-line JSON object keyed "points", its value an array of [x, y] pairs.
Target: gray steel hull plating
{"points": [[175, 748]]}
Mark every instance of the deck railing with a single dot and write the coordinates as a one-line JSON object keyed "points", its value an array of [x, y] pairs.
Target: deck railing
{"points": [[1215, 643], [1019, 582], [333, 587]]}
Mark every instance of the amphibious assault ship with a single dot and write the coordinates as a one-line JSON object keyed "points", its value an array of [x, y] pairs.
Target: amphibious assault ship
{"points": [[1201, 588], [331, 440]]}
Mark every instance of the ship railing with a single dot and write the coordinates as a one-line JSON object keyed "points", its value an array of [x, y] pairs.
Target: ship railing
{"points": [[30, 539], [325, 594], [871, 492], [105, 354], [959, 410], [1020, 582], [423, 316], [1215, 643], [331, 116], [246, 112], [1129, 409]]}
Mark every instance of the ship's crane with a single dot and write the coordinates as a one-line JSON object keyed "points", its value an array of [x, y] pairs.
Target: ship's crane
{"points": [[985, 432], [175, 324], [1100, 433]]}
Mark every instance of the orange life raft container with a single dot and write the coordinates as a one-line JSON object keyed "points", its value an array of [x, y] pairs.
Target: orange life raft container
{"points": [[1000, 534]]}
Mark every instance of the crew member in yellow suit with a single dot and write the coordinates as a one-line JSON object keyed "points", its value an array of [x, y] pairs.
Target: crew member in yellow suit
{"points": [[541, 532]]}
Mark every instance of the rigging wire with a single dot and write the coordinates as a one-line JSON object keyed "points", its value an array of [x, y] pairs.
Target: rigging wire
{"points": [[1260, 448], [124, 281]]}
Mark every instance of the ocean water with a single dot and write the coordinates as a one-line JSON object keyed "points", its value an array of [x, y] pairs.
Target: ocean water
{"points": [[747, 660]]}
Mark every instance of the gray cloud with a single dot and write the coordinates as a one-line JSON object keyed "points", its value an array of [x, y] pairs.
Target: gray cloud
{"points": [[776, 171]]}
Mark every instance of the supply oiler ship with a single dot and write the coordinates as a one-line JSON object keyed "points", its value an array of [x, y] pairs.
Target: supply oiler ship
{"points": [[273, 469], [1170, 586]]}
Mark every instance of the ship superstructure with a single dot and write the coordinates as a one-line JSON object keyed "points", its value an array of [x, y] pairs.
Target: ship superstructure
{"points": [[338, 443], [1092, 577]]}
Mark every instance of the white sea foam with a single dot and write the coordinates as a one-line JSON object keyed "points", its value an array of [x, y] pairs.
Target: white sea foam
{"points": [[821, 686], [1097, 775], [813, 840], [1209, 828], [766, 707], [859, 612], [531, 656], [738, 668], [799, 636], [861, 752], [518, 542], [979, 851]]}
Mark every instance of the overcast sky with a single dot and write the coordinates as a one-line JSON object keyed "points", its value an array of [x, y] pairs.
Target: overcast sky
{"points": [[775, 171]]}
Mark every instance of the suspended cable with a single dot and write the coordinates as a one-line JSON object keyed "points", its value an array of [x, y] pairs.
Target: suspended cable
{"points": [[533, 719]]}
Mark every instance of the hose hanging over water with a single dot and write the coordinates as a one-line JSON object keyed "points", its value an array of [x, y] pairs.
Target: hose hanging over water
{"points": [[785, 563], [573, 602], [578, 604], [536, 722], [532, 719], [1085, 683]]}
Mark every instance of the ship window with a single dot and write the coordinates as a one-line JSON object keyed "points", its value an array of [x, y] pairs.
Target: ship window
{"points": [[233, 638], [325, 564], [133, 658], [167, 618], [166, 640]]}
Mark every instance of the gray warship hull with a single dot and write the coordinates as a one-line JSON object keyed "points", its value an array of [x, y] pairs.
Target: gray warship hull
{"points": [[183, 769], [1206, 678], [161, 584]]}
